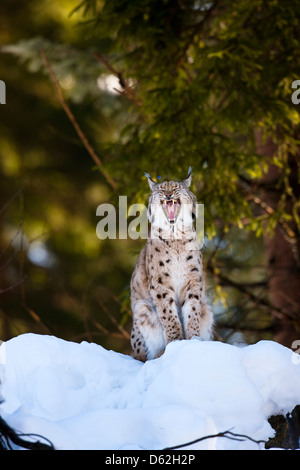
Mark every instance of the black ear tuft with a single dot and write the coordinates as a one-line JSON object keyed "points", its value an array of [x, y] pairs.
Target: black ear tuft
{"points": [[152, 183], [187, 181]]}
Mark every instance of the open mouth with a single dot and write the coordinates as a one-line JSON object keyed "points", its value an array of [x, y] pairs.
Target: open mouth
{"points": [[171, 208]]}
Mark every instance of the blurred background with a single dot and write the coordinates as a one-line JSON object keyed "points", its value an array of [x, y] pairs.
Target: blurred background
{"points": [[97, 92]]}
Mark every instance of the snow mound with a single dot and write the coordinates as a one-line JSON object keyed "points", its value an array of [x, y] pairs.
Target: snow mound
{"points": [[81, 396]]}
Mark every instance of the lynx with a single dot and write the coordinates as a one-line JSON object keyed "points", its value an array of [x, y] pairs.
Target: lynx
{"points": [[168, 298]]}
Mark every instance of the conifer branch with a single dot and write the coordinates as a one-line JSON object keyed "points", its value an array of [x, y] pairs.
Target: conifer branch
{"points": [[76, 126]]}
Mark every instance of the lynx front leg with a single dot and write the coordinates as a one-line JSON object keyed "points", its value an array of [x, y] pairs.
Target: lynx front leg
{"points": [[138, 343], [197, 317], [167, 311], [147, 338]]}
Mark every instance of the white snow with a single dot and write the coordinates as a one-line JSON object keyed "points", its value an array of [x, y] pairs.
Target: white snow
{"points": [[81, 396]]}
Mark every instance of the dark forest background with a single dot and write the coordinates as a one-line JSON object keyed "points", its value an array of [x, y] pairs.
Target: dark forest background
{"points": [[97, 92]]}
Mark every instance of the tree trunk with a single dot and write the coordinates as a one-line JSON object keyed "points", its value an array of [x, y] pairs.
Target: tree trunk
{"points": [[282, 252]]}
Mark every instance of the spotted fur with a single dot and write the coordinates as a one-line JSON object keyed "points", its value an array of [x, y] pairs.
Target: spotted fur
{"points": [[168, 297]]}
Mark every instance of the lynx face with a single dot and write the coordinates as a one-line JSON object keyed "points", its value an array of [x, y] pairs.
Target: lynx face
{"points": [[171, 202]]}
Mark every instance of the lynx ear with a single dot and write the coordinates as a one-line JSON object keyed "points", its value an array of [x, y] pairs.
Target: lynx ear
{"points": [[187, 181], [152, 183]]}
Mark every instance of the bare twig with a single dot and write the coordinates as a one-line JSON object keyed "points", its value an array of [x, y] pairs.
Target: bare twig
{"points": [[12, 286], [9, 245], [290, 234], [127, 89], [246, 186], [122, 330], [255, 299], [8, 437], [228, 434], [13, 197], [76, 126]]}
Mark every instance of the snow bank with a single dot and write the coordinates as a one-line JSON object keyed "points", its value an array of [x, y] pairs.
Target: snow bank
{"points": [[81, 396]]}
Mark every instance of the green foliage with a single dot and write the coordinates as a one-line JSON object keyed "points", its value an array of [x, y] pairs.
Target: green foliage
{"points": [[207, 76]]}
